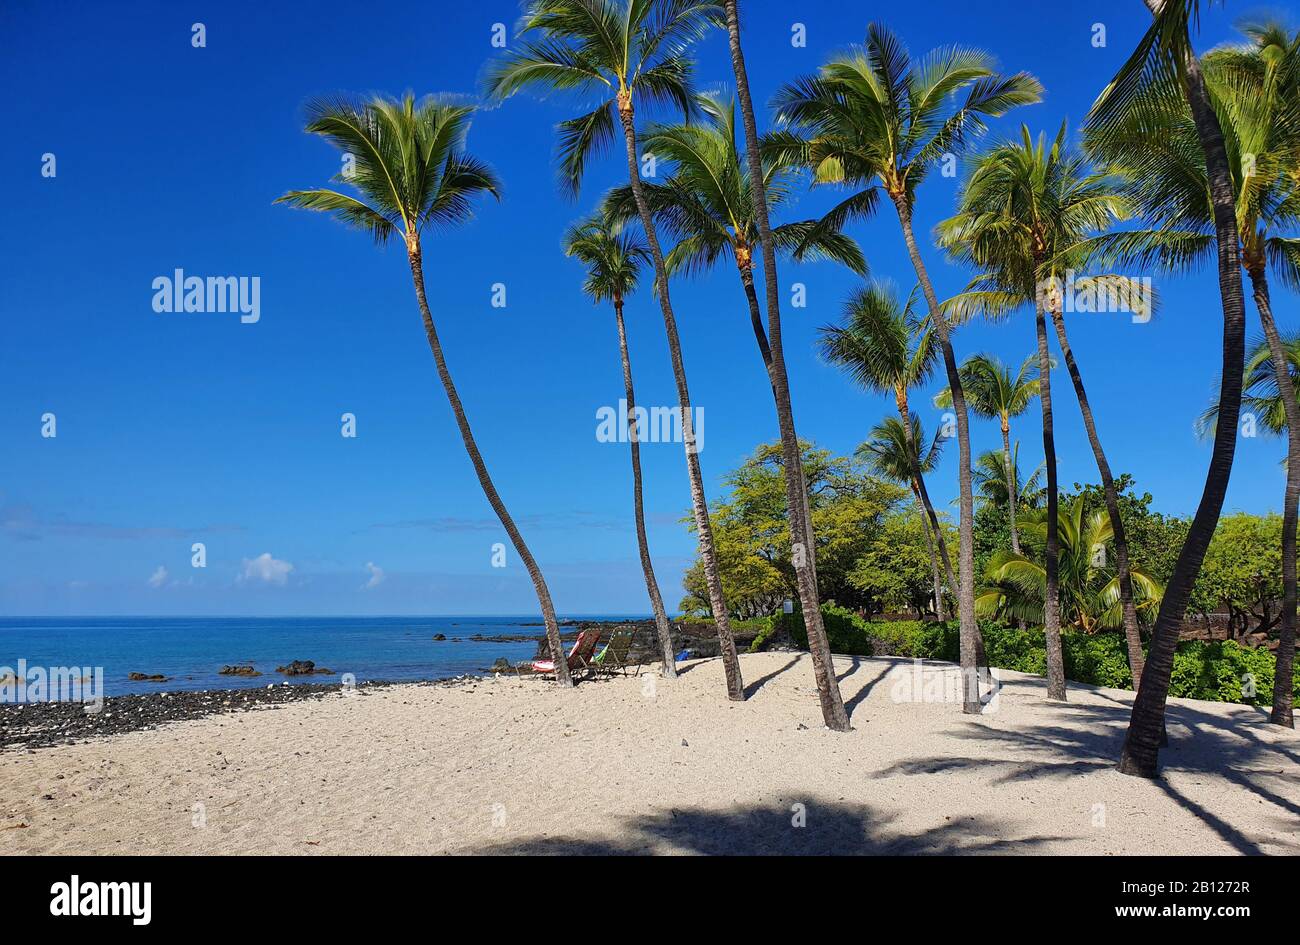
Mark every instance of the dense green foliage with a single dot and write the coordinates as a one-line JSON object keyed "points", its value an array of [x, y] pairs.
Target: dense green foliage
{"points": [[752, 534], [1220, 671]]}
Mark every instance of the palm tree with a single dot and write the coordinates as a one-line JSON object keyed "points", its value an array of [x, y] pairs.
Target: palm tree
{"points": [[614, 261], [883, 346], [1261, 395], [411, 170], [618, 53], [992, 392], [801, 528], [1164, 60], [707, 205], [891, 452], [989, 478], [1004, 226], [1254, 90], [874, 115], [1089, 588]]}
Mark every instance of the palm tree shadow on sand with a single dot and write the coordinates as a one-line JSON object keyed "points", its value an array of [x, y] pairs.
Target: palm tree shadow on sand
{"points": [[830, 828], [1199, 743]]}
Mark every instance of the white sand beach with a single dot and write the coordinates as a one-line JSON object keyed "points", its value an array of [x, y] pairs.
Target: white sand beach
{"points": [[626, 765]]}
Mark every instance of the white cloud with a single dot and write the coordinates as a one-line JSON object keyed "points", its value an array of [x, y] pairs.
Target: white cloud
{"points": [[265, 569], [376, 576], [159, 577]]}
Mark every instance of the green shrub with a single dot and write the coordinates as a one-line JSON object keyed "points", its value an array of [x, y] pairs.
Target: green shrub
{"points": [[1213, 671]]}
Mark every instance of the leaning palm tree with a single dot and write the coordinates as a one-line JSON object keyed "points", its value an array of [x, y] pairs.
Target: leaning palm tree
{"points": [[707, 204], [994, 393], [614, 260], [886, 348], [873, 117], [411, 171], [1255, 92], [1165, 61], [892, 451], [618, 53]]}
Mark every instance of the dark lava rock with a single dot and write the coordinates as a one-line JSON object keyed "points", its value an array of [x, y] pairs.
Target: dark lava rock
{"points": [[303, 668], [440, 636], [238, 671], [146, 677], [33, 725]]}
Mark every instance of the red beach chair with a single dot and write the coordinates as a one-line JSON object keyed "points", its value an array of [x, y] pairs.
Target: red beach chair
{"points": [[579, 657]]}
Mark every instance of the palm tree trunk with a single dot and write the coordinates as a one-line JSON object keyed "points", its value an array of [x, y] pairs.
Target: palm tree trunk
{"points": [[1010, 469], [633, 434], [1051, 596], [971, 643], [803, 551], [1132, 634], [562, 676], [708, 554], [1146, 726], [922, 493], [934, 557], [1283, 678], [756, 318]]}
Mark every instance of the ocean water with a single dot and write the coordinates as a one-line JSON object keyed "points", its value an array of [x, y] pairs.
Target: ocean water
{"points": [[191, 650]]}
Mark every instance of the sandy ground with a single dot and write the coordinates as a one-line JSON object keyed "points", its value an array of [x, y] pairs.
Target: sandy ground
{"points": [[646, 766]]}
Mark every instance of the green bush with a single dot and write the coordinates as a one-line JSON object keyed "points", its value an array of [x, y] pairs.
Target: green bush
{"points": [[1214, 671]]}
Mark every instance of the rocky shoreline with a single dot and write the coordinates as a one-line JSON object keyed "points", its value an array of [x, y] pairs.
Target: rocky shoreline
{"points": [[42, 724], [45, 724]]}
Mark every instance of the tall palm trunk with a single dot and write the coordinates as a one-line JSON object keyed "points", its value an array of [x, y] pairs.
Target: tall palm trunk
{"points": [[662, 627], [1132, 634], [1283, 679], [801, 538], [1141, 752], [1051, 596], [708, 554], [756, 317], [484, 480], [934, 557], [922, 493], [970, 633], [1009, 468]]}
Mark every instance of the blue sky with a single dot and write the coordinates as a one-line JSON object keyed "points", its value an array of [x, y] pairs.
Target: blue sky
{"points": [[181, 428]]}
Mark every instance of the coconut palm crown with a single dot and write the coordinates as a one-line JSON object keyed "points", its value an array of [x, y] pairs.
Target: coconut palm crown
{"points": [[608, 54]]}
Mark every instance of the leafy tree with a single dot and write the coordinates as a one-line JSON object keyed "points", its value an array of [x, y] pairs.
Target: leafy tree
{"points": [[847, 506], [1242, 572], [895, 568]]}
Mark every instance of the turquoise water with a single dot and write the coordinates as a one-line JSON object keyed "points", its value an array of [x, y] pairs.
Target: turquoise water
{"points": [[191, 650]]}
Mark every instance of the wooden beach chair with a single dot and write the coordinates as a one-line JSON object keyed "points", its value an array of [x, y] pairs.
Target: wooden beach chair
{"points": [[580, 656]]}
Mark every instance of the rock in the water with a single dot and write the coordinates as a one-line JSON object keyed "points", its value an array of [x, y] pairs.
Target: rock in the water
{"points": [[303, 668], [238, 671], [440, 636], [146, 677]]}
